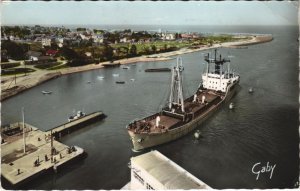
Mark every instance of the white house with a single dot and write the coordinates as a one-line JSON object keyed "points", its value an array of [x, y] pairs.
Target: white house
{"points": [[123, 40], [97, 38], [168, 36], [46, 42], [154, 171], [60, 40], [84, 37], [88, 54], [33, 55]]}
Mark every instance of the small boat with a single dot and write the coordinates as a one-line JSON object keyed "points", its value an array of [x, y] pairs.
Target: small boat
{"points": [[132, 79], [88, 82], [111, 64], [231, 106], [77, 116], [197, 134], [115, 75], [250, 90], [125, 67], [158, 70], [120, 82], [46, 92], [100, 77]]}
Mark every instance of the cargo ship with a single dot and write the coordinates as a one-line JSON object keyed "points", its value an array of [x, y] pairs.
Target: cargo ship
{"points": [[179, 116]]}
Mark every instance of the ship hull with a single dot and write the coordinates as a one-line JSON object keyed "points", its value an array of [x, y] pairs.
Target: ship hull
{"points": [[146, 140]]}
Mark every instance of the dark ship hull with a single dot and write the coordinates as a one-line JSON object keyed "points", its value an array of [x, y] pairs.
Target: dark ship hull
{"points": [[144, 139]]}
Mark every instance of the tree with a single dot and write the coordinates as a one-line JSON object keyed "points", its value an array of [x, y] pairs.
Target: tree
{"points": [[54, 46], [68, 53], [108, 52], [81, 29], [146, 50], [165, 47], [127, 31], [14, 50], [153, 48], [133, 50]]}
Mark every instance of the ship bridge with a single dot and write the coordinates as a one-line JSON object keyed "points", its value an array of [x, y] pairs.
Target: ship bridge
{"points": [[218, 78]]}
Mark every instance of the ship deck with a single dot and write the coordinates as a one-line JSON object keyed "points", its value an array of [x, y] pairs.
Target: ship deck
{"points": [[169, 121], [165, 123]]}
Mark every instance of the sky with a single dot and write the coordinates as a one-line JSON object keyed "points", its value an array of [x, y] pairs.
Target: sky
{"points": [[149, 13]]}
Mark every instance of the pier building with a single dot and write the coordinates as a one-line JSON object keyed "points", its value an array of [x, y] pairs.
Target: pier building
{"points": [[154, 171]]}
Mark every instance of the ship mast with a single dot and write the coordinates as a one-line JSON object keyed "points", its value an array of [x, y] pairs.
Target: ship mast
{"points": [[176, 95], [218, 63]]}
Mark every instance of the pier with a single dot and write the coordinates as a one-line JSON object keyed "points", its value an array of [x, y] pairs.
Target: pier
{"points": [[27, 151], [24, 156], [68, 127]]}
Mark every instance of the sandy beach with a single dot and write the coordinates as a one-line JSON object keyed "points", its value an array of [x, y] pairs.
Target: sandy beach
{"points": [[11, 86]]}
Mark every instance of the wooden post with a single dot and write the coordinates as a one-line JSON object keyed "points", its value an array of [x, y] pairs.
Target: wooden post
{"points": [[51, 137], [24, 143]]}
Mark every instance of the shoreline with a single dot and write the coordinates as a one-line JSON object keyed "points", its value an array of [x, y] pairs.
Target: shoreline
{"points": [[39, 77]]}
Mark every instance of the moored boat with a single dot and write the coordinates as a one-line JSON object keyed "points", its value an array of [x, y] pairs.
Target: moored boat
{"points": [[180, 116], [46, 92], [158, 70], [111, 64], [79, 114], [125, 67]]}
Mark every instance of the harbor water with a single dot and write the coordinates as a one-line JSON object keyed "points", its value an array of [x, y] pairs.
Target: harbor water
{"points": [[261, 130]]}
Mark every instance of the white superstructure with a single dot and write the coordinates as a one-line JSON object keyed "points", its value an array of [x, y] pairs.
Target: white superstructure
{"points": [[218, 77], [154, 171]]}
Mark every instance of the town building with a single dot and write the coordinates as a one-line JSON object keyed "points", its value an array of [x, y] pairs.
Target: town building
{"points": [[98, 38], [168, 36], [33, 55], [123, 40], [51, 52], [154, 171], [46, 42]]}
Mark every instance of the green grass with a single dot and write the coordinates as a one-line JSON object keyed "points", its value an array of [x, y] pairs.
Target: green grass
{"points": [[10, 65], [59, 67], [145, 48], [158, 44], [47, 65], [15, 71]]}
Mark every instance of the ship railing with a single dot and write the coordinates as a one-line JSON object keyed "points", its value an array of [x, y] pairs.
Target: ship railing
{"points": [[176, 115], [132, 124]]}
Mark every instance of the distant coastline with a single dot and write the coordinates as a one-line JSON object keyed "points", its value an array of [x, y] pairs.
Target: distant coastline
{"points": [[32, 80]]}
